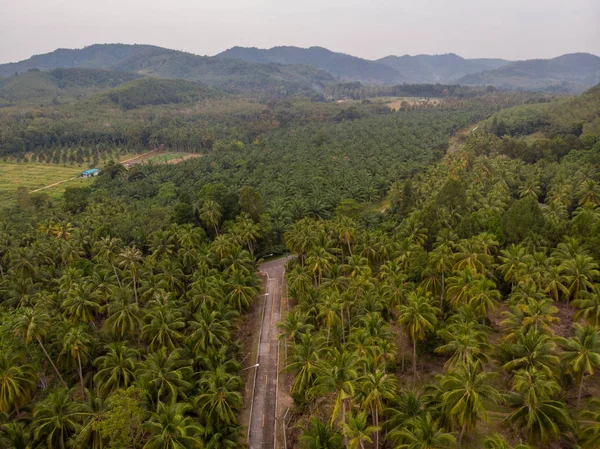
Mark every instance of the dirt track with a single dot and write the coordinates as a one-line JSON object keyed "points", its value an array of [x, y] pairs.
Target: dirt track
{"points": [[263, 410]]}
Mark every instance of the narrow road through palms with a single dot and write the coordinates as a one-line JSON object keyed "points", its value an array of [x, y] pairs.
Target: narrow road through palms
{"points": [[263, 413]]}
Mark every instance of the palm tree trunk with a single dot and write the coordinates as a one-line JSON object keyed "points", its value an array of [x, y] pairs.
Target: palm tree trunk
{"points": [[81, 377], [376, 414], [414, 362], [443, 290], [344, 421], [349, 249], [115, 271], [580, 391], [135, 290], [51, 362], [460, 437]]}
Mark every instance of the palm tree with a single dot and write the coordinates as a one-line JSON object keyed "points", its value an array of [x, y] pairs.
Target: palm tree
{"points": [[171, 429], [320, 436], [163, 329], [581, 354], [165, 376], [89, 437], [465, 342], [589, 306], [240, 291], [57, 418], [219, 400], [532, 350], [34, 325], [81, 304], [466, 390], [337, 375], [247, 232], [210, 214], [116, 369], [207, 331], [15, 435], [377, 387], [76, 342], [357, 431], [303, 359], [418, 316], [319, 261], [535, 411], [17, 382], [589, 434], [424, 434], [579, 272], [108, 248], [129, 259], [123, 316]]}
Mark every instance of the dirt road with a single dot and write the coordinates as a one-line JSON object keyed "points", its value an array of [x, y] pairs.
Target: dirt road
{"points": [[263, 423]]}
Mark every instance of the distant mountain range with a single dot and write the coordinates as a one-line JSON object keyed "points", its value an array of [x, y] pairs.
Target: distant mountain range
{"points": [[441, 69], [571, 72], [228, 74], [293, 70], [346, 67]]}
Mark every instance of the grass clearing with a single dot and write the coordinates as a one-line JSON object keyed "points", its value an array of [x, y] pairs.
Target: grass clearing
{"points": [[34, 176], [166, 157]]}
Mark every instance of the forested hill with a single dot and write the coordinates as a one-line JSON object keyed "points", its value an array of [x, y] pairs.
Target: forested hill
{"points": [[439, 68], [58, 85], [233, 75], [346, 67], [570, 72]]}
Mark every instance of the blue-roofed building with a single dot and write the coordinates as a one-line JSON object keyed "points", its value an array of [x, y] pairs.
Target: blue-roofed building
{"points": [[91, 172]]}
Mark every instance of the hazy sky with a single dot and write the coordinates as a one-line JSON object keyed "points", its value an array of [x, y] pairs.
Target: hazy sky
{"points": [[512, 29]]}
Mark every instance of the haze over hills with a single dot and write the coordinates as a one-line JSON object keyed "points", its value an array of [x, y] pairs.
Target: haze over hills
{"points": [[293, 70], [232, 75], [570, 72], [59, 85], [439, 68], [346, 67]]}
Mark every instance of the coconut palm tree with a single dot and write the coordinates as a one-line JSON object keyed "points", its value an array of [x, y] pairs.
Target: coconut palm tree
{"points": [[581, 354], [164, 328], [219, 400], [417, 317], [532, 349], [123, 316], [57, 418], [356, 431], [303, 360], [579, 272], [170, 428], [337, 375], [165, 376], [116, 369], [207, 331], [589, 306], [535, 411], [589, 435], [130, 259], [210, 214], [375, 388], [17, 382], [81, 304], [35, 325], [466, 390], [424, 434], [320, 435], [76, 342]]}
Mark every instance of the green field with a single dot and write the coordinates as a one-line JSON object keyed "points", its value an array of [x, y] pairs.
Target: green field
{"points": [[35, 176], [162, 158]]}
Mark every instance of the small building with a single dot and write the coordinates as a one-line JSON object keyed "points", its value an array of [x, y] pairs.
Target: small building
{"points": [[91, 172]]}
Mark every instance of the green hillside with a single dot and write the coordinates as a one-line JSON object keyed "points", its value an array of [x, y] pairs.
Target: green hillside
{"points": [[575, 115], [58, 86], [573, 72], [228, 74], [153, 91], [346, 67]]}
